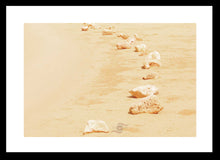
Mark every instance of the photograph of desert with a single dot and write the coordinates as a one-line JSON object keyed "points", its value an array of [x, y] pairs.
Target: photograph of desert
{"points": [[109, 79]]}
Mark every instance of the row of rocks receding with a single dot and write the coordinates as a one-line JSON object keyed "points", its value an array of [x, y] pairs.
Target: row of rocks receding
{"points": [[149, 101]]}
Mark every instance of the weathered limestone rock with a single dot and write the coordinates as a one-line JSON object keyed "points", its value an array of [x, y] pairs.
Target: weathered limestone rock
{"points": [[91, 26], [123, 45], [85, 28], [155, 62], [140, 48], [94, 27], [123, 35], [152, 59], [107, 32], [144, 91], [96, 126], [88, 24], [149, 105], [151, 63], [131, 40], [153, 55], [151, 75], [110, 27], [138, 38]]}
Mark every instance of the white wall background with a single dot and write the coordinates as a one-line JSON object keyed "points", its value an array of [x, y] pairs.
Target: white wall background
{"points": [[17, 16]]}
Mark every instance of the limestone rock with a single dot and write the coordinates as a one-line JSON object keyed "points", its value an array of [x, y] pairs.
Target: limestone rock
{"points": [[91, 26], [131, 40], [107, 32], [85, 28], [153, 55], [149, 105], [151, 75], [123, 45], [144, 91], [140, 48], [95, 27], [110, 27], [138, 38], [155, 62], [96, 126], [88, 24], [152, 59], [123, 35]]}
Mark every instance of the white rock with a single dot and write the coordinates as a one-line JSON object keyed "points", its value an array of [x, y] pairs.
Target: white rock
{"points": [[153, 55], [144, 91], [154, 62], [85, 28], [131, 40], [123, 35], [96, 126], [107, 32], [110, 27], [149, 104], [151, 63], [88, 24], [138, 38], [91, 26], [152, 59], [94, 27], [140, 48], [151, 75], [123, 45]]}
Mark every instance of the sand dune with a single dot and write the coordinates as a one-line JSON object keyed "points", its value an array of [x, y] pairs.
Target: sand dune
{"points": [[72, 76]]}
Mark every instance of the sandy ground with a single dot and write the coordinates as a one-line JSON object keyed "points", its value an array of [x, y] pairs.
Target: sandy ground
{"points": [[71, 76]]}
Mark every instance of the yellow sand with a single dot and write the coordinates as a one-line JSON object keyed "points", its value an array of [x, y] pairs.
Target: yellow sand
{"points": [[73, 76]]}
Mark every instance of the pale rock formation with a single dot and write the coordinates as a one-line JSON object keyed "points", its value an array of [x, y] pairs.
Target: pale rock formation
{"points": [[107, 32], [88, 24], [149, 105], [140, 48], [123, 35], [151, 63], [153, 55], [155, 63], [123, 45], [85, 28], [152, 59], [144, 91], [91, 26], [110, 27], [131, 40], [94, 27], [96, 126], [137, 37], [151, 75]]}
